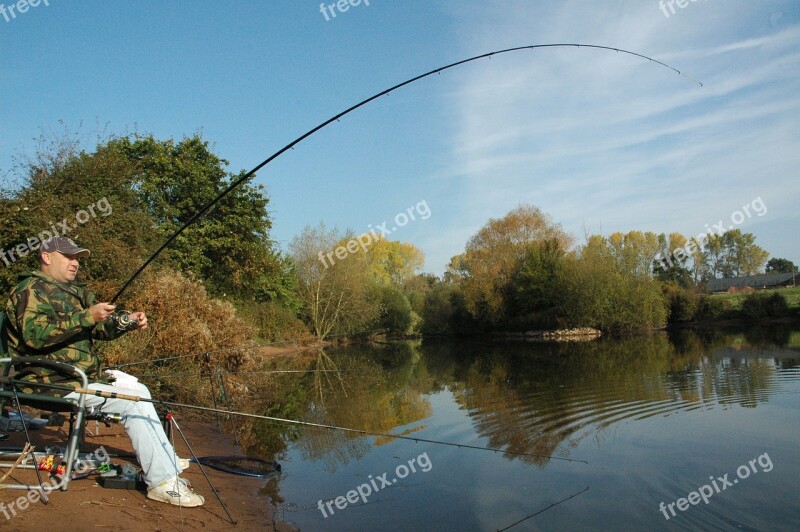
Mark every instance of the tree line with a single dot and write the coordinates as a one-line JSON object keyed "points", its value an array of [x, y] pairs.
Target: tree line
{"points": [[517, 272], [523, 272]]}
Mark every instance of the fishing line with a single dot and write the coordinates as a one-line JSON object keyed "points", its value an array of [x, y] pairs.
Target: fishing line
{"points": [[336, 117], [179, 357], [246, 348], [543, 510], [248, 372], [126, 397]]}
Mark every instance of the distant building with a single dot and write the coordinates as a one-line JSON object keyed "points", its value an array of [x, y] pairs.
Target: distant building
{"points": [[757, 282]]}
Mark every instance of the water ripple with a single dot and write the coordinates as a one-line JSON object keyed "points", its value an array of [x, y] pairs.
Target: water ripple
{"points": [[539, 418]]}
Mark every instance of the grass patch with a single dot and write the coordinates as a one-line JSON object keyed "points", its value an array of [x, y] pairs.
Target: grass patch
{"points": [[792, 296]]}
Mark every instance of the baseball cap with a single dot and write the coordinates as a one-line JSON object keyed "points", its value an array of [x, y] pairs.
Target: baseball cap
{"points": [[64, 245]]}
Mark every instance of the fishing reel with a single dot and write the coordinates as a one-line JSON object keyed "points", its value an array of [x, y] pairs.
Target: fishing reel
{"points": [[122, 321], [104, 417]]}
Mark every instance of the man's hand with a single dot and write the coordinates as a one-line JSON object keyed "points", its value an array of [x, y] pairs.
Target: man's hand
{"points": [[101, 311], [140, 317]]}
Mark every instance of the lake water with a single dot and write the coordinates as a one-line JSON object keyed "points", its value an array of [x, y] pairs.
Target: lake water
{"points": [[656, 418]]}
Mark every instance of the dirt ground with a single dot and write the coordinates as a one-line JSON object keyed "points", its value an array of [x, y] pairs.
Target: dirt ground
{"points": [[88, 506]]}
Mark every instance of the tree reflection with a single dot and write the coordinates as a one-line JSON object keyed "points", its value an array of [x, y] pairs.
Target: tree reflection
{"points": [[533, 398], [545, 399], [362, 387]]}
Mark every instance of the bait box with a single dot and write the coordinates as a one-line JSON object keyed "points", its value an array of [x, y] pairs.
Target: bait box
{"points": [[123, 483]]}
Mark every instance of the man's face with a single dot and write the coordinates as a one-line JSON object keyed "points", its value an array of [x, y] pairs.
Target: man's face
{"points": [[60, 267]]}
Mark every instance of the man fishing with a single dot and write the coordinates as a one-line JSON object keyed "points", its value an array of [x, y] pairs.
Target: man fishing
{"points": [[50, 314]]}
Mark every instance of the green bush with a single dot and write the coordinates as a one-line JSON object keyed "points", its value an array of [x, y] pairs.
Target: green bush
{"points": [[709, 308], [396, 313], [545, 319], [758, 306], [683, 304], [437, 311], [753, 307], [596, 293], [776, 306]]}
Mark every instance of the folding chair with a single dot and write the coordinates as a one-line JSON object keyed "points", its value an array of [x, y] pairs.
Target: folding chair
{"points": [[11, 394]]}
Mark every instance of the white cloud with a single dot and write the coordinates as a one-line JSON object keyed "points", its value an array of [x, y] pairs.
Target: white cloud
{"points": [[608, 140]]}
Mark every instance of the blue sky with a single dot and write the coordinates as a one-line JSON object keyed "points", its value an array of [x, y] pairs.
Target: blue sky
{"points": [[601, 141]]}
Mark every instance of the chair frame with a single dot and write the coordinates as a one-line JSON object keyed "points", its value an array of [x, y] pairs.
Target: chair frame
{"points": [[9, 391]]}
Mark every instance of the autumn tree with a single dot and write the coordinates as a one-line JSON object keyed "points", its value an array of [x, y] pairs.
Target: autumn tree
{"points": [[634, 251], [675, 253], [714, 255], [744, 256], [700, 269], [393, 266], [339, 297], [734, 254], [457, 269], [393, 263], [598, 291], [494, 255]]}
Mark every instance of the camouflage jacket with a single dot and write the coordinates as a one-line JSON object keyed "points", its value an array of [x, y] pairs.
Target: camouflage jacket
{"points": [[51, 319]]}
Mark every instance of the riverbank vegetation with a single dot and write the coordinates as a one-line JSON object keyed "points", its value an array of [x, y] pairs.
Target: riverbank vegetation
{"points": [[224, 283]]}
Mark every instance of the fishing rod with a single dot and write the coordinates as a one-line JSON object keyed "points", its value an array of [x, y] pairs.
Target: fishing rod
{"points": [[512, 525], [136, 398], [336, 117]]}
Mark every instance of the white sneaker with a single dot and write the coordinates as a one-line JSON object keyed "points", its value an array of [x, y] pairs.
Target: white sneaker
{"points": [[181, 463], [176, 491]]}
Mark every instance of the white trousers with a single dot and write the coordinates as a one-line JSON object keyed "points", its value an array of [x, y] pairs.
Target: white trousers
{"points": [[150, 444]]}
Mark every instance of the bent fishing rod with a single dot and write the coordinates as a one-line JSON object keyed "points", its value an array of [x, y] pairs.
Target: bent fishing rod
{"points": [[136, 398], [336, 117]]}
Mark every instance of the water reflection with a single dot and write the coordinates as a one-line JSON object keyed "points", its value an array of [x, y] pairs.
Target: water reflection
{"points": [[365, 387], [673, 401], [546, 401], [538, 399]]}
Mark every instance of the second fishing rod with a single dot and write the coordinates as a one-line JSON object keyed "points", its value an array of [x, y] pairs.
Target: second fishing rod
{"points": [[128, 397]]}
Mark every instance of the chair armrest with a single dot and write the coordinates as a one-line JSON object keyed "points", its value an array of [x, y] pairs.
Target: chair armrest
{"points": [[60, 367]]}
